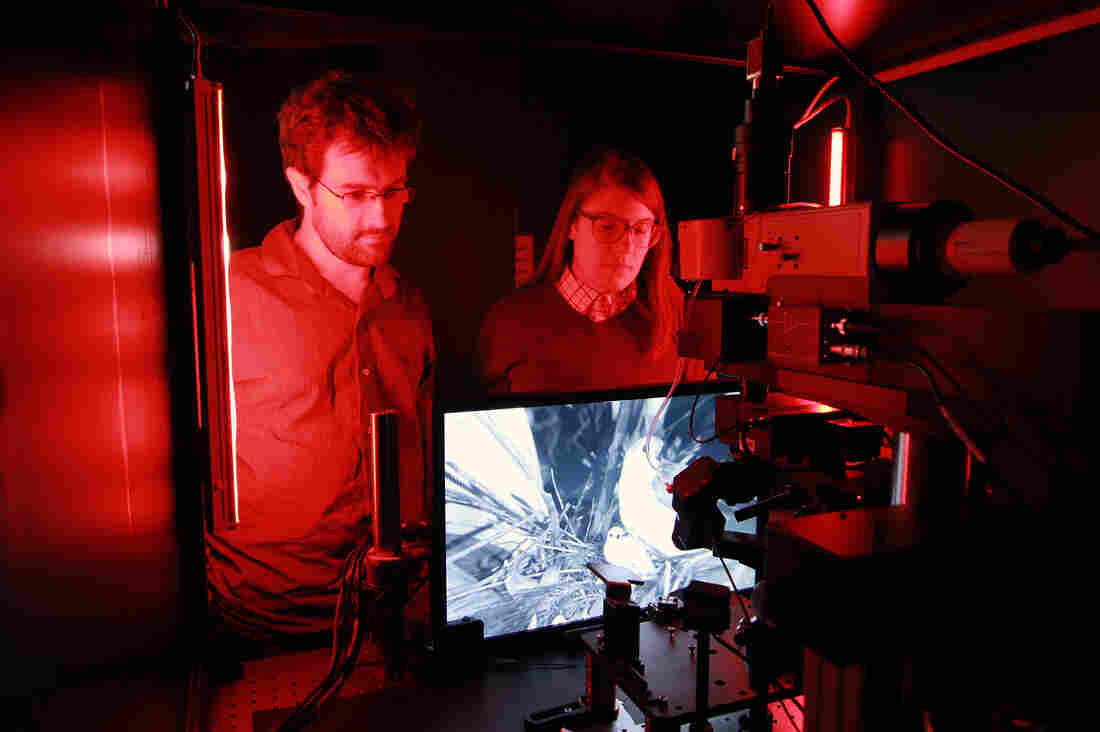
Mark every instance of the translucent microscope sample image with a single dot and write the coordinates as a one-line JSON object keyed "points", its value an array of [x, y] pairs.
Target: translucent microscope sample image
{"points": [[534, 493]]}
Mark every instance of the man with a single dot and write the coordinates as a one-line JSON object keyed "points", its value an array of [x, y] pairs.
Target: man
{"points": [[324, 332]]}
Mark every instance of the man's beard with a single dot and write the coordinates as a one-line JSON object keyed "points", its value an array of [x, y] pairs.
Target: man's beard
{"points": [[365, 249]]}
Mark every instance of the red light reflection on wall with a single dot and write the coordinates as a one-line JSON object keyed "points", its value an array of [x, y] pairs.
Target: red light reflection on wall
{"points": [[844, 17], [853, 22]]}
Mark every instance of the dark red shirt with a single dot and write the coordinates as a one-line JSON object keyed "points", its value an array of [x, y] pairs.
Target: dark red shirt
{"points": [[309, 366], [532, 340]]}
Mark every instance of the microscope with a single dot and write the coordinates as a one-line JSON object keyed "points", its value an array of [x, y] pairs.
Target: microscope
{"points": [[891, 499]]}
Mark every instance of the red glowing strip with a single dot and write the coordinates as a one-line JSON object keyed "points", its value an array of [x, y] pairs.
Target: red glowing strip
{"points": [[195, 339], [228, 318], [836, 166]]}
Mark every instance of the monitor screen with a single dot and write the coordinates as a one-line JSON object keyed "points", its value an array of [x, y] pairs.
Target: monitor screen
{"points": [[534, 490]]}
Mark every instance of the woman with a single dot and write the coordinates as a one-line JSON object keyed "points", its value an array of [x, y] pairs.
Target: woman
{"points": [[602, 309]]}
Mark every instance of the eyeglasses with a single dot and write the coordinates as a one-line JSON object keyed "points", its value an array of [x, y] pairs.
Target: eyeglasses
{"points": [[608, 229], [360, 196]]}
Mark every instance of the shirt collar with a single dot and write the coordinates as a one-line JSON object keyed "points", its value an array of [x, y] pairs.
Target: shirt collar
{"points": [[284, 257], [591, 303]]}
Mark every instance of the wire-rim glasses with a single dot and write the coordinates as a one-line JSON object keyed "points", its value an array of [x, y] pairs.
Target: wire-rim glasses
{"points": [[608, 229], [362, 196]]}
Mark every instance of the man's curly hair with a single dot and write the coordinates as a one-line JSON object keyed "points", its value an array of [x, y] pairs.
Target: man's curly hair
{"points": [[350, 110]]}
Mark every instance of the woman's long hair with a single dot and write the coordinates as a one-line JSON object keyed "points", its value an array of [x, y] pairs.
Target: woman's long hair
{"points": [[659, 299]]}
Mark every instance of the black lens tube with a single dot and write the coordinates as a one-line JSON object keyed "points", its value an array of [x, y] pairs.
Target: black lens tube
{"points": [[385, 486]]}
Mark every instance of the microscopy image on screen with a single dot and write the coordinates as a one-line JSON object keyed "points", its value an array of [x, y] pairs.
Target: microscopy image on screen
{"points": [[534, 493]]}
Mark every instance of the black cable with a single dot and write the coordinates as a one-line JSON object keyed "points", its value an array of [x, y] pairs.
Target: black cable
{"points": [[732, 584], [927, 375], [927, 129], [941, 406], [825, 105], [784, 689], [306, 711], [338, 674], [817, 97], [992, 420], [905, 357], [338, 621], [783, 703], [939, 367], [695, 403], [957, 428], [196, 58], [811, 113], [345, 647], [776, 683], [729, 647], [333, 683], [348, 666]]}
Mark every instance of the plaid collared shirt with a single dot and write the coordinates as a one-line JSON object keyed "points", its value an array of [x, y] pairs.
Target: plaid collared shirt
{"points": [[594, 305]]}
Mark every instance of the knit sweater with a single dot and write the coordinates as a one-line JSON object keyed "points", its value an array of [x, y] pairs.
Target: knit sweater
{"points": [[533, 341]]}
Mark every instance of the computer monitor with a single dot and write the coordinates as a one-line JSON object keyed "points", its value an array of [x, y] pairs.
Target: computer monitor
{"points": [[530, 489]]}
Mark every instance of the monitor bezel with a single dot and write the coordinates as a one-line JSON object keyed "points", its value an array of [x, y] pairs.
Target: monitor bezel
{"points": [[538, 637]]}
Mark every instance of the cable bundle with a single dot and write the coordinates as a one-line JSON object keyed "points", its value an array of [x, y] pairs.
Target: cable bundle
{"points": [[347, 636], [815, 109]]}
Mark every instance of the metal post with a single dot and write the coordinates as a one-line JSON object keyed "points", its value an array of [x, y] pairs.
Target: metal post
{"points": [[834, 695], [909, 459], [702, 681], [600, 697], [385, 486], [387, 577]]}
